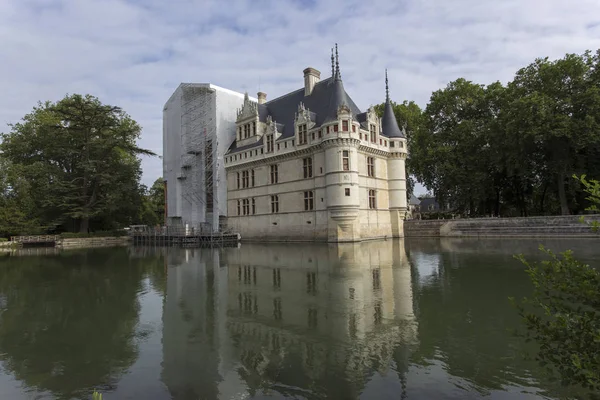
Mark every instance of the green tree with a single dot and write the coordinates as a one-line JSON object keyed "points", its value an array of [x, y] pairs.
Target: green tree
{"points": [[152, 209], [81, 158], [555, 107], [563, 315]]}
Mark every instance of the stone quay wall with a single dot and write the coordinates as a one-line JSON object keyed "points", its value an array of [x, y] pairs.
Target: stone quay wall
{"points": [[76, 243], [548, 226]]}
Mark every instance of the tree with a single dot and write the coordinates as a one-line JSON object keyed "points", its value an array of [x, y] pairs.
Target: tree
{"points": [[556, 106], [82, 159], [563, 316]]}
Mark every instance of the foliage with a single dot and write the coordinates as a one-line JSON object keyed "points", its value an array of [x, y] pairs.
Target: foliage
{"points": [[72, 165], [592, 187], [563, 316], [507, 150], [153, 205], [96, 396], [73, 235], [568, 329], [3, 239]]}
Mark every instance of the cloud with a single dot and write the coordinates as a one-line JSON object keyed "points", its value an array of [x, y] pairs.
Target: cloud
{"points": [[134, 53]]}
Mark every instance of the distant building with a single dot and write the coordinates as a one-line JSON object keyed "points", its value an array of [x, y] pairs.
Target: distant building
{"points": [[310, 165], [198, 127], [413, 207]]}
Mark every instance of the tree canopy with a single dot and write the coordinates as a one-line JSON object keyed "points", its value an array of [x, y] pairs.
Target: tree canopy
{"points": [[508, 150], [71, 165]]}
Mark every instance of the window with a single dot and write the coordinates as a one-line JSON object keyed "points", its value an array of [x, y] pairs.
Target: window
{"points": [[327, 129], [278, 148], [245, 179], [302, 137], [253, 206], [292, 142], [385, 143], [401, 144], [373, 133], [354, 128], [372, 199], [246, 206], [238, 208], [252, 178], [275, 204], [380, 142], [254, 128], [245, 131], [320, 133], [370, 166], [345, 125], [391, 144], [307, 164], [269, 143], [262, 151], [347, 191], [277, 278], [336, 128], [240, 133], [309, 203], [274, 173], [346, 160], [285, 145], [238, 180]]}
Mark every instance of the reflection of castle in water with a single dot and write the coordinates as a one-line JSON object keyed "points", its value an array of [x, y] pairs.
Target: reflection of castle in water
{"points": [[309, 320]]}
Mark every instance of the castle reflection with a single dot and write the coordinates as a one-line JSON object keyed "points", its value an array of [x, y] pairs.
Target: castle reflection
{"points": [[292, 319]]}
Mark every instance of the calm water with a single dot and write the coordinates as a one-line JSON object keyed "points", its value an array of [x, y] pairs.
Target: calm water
{"points": [[414, 319]]}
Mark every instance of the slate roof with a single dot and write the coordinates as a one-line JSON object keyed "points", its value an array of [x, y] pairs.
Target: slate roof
{"points": [[323, 104], [389, 124], [414, 201]]}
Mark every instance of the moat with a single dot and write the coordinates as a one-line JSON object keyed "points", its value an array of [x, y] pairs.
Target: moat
{"points": [[397, 319]]}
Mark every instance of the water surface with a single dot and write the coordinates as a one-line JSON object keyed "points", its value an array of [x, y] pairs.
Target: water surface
{"points": [[414, 319]]}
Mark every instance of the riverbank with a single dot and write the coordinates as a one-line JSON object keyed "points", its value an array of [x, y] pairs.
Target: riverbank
{"points": [[59, 242], [532, 227]]}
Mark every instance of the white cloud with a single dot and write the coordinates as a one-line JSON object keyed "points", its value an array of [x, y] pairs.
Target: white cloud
{"points": [[135, 53]]}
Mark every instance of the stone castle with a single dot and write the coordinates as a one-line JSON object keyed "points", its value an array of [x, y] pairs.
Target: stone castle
{"points": [[311, 166]]}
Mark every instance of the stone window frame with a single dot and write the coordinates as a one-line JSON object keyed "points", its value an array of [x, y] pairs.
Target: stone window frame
{"points": [[373, 133], [246, 206], [238, 180], [372, 196], [245, 179], [270, 143], [345, 125], [371, 167], [253, 205], [252, 177], [309, 200], [274, 204], [239, 208], [302, 134], [345, 160], [307, 166], [274, 173]]}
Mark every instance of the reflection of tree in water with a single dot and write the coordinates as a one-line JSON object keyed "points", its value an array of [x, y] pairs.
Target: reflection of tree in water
{"points": [[466, 321], [68, 323]]}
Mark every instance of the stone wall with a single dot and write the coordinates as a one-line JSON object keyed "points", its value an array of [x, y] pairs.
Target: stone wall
{"points": [[73, 243], [549, 226]]}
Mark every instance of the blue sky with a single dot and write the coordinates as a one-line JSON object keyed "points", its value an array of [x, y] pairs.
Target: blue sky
{"points": [[134, 53]]}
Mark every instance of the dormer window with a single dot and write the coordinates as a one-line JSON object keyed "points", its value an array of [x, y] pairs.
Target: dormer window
{"points": [[302, 134], [269, 143], [373, 131], [254, 128], [345, 125]]}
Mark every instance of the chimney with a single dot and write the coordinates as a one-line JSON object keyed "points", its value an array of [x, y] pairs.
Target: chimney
{"points": [[262, 97], [311, 77]]}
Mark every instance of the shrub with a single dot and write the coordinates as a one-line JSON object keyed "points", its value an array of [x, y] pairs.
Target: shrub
{"points": [[3, 239], [75, 235]]}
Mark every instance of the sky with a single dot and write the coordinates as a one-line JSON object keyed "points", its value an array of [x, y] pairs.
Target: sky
{"points": [[134, 53]]}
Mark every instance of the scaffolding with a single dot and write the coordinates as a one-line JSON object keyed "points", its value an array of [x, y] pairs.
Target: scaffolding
{"points": [[200, 163]]}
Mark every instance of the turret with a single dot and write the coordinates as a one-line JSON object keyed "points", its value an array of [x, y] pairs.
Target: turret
{"points": [[398, 202]]}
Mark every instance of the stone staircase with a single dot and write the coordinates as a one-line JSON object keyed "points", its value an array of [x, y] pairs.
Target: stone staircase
{"points": [[554, 226]]}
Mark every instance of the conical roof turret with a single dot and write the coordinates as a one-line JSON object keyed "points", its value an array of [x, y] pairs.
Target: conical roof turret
{"points": [[389, 124]]}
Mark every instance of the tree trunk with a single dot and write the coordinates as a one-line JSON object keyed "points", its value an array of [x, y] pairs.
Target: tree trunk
{"points": [[562, 195], [497, 204], [84, 225], [543, 198]]}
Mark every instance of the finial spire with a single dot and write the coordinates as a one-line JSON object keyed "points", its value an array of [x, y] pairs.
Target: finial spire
{"points": [[332, 64], [387, 89], [337, 63]]}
